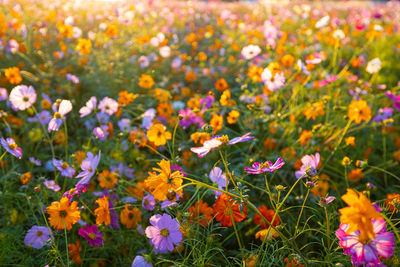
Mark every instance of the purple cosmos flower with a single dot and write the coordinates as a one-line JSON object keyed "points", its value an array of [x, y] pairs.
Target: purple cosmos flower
{"points": [[303, 67], [89, 107], [74, 79], [129, 172], [207, 147], [187, 117], [366, 253], [100, 133], [207, 102], [42, 117], [3, 94], [118, 169], [326, 200], [170, 203], [108, 105], [148, 117], [51, 184], [92, 235], [240, 139], [267, 166], [63, 109], [140, 261], [124, 125], [35, 161], [216, 176], [37, 237], [148, 202], [310, 163], [88, 166], [64, 168], [22, 97], [394, 98], [163, 233], [11, 147], [383, 114]]}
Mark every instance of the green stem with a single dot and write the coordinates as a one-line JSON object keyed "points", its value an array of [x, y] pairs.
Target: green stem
{"points": [[301, 212]]}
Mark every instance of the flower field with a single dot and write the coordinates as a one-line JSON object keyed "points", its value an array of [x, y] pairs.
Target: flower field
{"points": [[184, 133]]}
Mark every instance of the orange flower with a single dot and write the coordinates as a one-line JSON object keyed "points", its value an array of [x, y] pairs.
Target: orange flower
{"points": [[125, 98], [314, 110], [84, 46], [223, 212], [226, 100], [162, 95], [146, 81], [268, 214], [287, 60], [79, 157], [359, 214], [65, 30], [25, 178], [393, 202], [201, 213], [102, 212], [221, 85], [216, 122], [255, 73], [202, 56], [13, 76], [270, 143], [200, 138], [262, 234], [233, 117], [165, 110], [130, 217], [355, 175], [164, 184], [305, 137], [158, 134], [107, 179], [190, 76], [112, 30], [359, 111], [75, 252], [350, 141], [63, 214]]}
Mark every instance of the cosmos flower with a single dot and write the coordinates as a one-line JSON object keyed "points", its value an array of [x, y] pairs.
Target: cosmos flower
{"points": [[3, 94], [223, 211], [383, 114], [88, 166], [250, 51], [240, 139], [140, 261], [273, 81], [22, 97], [89, 107], [102, 212], [216, 176], [374, 66], [303, 67], [51, 184], [310, 164], [207, 147], [74, 79], [267, 214], [201, 213], [92, 235], [63, 214], [163, 233], [63, 109], [130, 216], [148, 202], [108, 105], [267, 166], [37, 237], [64, 168], [11, 147], [394, 98]]}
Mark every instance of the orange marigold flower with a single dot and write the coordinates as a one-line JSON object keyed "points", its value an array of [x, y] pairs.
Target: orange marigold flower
{"points": [[305, 137], [125, 98], [268, 214], [26, 177], [107, 179], [314, 110], [84, 46], [216, 122], [158, 134], [226, 100], [221, 85], [355, 175], [255, 73], [130, 217], [13, 75], [112, 30], [146, 81], [165, 109], [75, 252], [165, 184], [201, 213], [359, 214], [350, 141], [393, 202], [359, 111], [199, 137], [233, 117], [190, 76], [287, 60], [102, 212], [225, 211], [63, 214], [65, 30]]}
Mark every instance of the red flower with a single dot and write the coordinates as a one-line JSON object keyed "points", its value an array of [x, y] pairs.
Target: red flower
{"points": [[223, 212], [268, 214]]}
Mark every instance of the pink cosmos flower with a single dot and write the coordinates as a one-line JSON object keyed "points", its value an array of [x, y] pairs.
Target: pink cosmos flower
{"points": [[64, 168], [11, 147], [89, 107], [240, 139], [163, 233], [108, 105], [92, 235], [267, 166], [310, 164], [22, 97], [273, 82], [207, 147], [366, 254], [250, 51], [63, 109]]}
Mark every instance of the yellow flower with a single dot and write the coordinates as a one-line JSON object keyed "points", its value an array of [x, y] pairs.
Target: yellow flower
{"points": [[13, 76], [84, 46], [63, 214], [233, 117], [216, 122], [146, 81], [158, 134], [359, 214], [350, 141], [102, 212], [314, 110], [359, 111]]}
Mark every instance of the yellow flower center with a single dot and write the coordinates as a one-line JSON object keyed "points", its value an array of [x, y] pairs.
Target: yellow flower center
{"points": [[164, 232], [12, 146], [92, 236], [64, 165], [224, 139], [57, 115], [39, 233]]}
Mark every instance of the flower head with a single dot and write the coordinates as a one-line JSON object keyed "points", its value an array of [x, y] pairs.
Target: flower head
{"points": [[267, 166], [359, 111], [201, 213], [158, 134], [63, 109], [102, 212], [130, 217], [92, 235], [37, 237], [267, 214], [310, 164], [224, 211], [89, 107], [22, 97], [11, 147], [108, 105], [63, 214], [64, 168]]}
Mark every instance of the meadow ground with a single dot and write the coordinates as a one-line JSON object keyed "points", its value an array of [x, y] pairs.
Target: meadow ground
{"points": [[183, 133]]}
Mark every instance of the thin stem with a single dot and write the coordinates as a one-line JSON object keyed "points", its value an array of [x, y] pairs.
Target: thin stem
{"points": [[66, 242], [327, 228], [301, 212]]}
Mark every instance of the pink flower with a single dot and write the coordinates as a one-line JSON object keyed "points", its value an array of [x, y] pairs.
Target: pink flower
{"points": [[63, 109], [207, 147], [251, 51], [367, 253], [267, 166], [90, 106], [22, 97], [92, 235], [310, 164], [108, 105], [11, 147]]}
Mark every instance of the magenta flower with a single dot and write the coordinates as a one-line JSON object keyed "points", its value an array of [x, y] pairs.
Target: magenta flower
{"points": [[63, 109], [207, 147], [367, 253], [64, 168], [92, 235], [310, 163], [37, 237], [108, 105], [187, 117], [267, 166], [11, 147], [22, 97], [393, 97], [90, 106], [148, 202], [163, 233]]}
